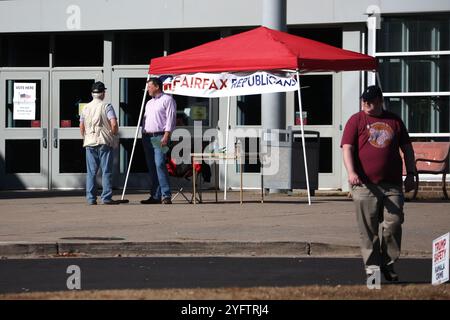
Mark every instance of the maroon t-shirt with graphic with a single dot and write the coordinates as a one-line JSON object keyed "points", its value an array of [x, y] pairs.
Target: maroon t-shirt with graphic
{"points": [[376, 142]]}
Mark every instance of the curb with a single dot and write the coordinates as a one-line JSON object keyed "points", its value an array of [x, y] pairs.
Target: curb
{"points": [[27, 249], [171, 248], [196, 248], [174, 248]]}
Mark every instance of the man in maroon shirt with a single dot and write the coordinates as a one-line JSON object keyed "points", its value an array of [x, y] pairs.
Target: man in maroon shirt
{"points": [[371, 142]]}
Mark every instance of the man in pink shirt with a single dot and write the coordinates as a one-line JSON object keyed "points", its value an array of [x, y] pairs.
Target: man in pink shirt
{"points": [[157, 126]]}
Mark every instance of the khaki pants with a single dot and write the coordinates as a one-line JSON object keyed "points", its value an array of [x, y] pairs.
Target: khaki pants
{"points": [[371, 201]]}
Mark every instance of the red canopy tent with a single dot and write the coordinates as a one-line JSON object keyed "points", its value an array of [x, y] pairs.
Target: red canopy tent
{"points": [[260, 49]]}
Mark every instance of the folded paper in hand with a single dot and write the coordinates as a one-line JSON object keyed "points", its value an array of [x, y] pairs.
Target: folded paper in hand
{"points": [[156, 142]]}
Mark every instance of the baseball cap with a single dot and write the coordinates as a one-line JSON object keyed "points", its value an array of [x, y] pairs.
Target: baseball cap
{"points": [[371, 93], [98, 87]]}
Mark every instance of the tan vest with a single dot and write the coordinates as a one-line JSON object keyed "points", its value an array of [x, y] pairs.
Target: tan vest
{"points": [[97, 126]]}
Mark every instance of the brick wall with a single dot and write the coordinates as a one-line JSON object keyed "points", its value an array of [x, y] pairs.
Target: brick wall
{"points": [[430, 190]]}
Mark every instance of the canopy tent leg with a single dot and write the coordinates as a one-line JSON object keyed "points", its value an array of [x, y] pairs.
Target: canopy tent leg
{"points": [[226, 148], [303, 137], [135, 139]]}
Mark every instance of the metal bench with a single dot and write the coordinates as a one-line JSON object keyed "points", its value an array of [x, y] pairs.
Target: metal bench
{"points": [[431, 158]]}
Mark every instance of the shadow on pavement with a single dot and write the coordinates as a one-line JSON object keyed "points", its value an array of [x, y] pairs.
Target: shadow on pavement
{"points": [[29, 194], [427, 200]]}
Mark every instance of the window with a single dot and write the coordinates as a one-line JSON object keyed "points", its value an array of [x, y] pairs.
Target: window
{"points": [[74, 94], [414, 71], [414, 33], [325, 155], [137, 47], [250, 147], [72, 156], [78, 50], [192, 109], [317, 100], [138, 165], [130, 100], [24, 50], [22, 156], [422, 114], [249, 110], [331, 36], [183, 40], [389, 37], [240, 30], [415, 74]]}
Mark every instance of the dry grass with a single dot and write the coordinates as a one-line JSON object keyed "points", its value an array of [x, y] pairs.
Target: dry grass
{"points": [[390, 292]]}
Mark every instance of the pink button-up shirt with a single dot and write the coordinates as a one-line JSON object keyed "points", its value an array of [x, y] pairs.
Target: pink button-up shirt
{"points": [[160, 114]]}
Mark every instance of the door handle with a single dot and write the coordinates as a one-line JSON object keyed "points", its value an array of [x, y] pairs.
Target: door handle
{"points": [[44, 138], [55, 138]]}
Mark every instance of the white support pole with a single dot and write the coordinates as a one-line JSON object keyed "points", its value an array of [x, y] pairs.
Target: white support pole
{"points": [[303, 137], [135, 137], [226, 148], [372, 44]]}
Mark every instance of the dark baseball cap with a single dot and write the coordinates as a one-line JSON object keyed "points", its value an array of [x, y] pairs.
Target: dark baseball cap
{"points": [[371, 93], [98, 87]]}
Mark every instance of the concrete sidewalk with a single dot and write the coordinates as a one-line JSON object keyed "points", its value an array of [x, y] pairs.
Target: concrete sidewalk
{"points": [[60, 223]]}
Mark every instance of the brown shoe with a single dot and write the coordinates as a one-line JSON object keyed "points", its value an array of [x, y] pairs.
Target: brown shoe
{"points": [[166, 201]]}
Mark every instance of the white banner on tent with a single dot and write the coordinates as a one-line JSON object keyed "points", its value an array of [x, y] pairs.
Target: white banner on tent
{"points": [[216, 85]]}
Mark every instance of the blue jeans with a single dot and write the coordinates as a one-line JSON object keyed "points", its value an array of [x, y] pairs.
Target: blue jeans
{"points": [[156, 164], [99, 156]]}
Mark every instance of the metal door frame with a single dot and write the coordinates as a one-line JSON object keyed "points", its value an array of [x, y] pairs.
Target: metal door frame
{"points": [[26, 180], [66, 180], [136, 180], [327, 180]]}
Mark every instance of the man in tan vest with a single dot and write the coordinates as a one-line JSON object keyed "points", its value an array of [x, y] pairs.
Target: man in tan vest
{"points": [[99, 128]]}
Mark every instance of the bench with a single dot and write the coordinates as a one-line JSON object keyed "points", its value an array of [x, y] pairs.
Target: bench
{"points": [[431, 158]]}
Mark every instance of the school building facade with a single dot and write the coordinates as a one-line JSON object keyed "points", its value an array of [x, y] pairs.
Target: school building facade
{"points": [[59, 48]]}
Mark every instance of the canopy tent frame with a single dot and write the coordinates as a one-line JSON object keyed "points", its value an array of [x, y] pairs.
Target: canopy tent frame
{"points": [[303, 137], [288, 53], [226, 140]]}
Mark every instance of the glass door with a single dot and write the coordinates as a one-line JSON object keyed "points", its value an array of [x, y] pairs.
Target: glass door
{"points": [[71, 91], [246, 123], [128, 87], [321, 113], [24, 131]]}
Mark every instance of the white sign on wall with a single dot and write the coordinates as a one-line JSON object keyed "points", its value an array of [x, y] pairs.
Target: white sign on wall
{"points": [[24, 101], [440, 269]]}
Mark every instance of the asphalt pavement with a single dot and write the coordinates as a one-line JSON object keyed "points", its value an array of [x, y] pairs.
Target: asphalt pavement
{"points": [[38, 275]]}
